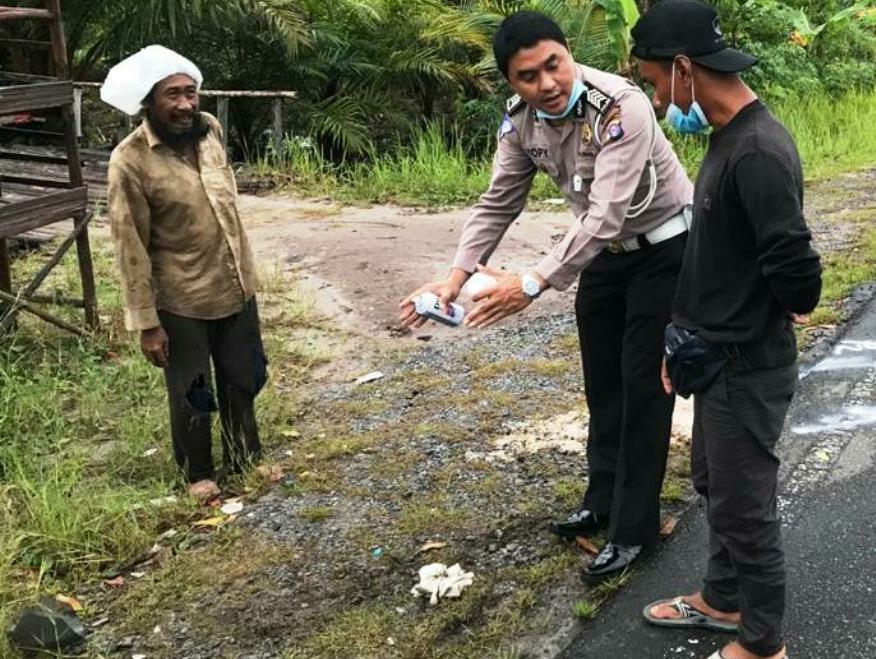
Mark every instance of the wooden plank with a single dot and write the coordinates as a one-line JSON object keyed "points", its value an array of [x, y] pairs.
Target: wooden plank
{"points": [[26, 43], [43, 210], [59, 300], [24, 305], [40, 182], [38, 96], [14, 13], [25, 77], [32, 157], [31, 134]]}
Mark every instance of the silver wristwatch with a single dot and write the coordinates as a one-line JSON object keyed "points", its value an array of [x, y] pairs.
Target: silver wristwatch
{"points": [[531, 287]]}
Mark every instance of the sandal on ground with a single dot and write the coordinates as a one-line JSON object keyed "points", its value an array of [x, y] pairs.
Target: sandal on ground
{"points": [[690, 617]]}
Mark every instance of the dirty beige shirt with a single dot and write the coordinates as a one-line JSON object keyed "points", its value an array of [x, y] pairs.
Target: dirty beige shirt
{"points": [[179, 242], [611, 179]]}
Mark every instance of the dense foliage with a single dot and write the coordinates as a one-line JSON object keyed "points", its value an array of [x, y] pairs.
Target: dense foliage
{"points": [[370, 72]]}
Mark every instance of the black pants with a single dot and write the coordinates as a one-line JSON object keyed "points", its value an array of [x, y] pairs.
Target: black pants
{"points": [[235, 346], [737, 422], [623, 307]]}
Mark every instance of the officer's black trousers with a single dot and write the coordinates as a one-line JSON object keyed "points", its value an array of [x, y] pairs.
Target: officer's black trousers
{"points": [[235, 346], [623, 306], [737, 422]]}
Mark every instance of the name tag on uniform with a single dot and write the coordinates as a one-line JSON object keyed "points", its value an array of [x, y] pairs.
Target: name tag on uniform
{"points": [[577, 183]]}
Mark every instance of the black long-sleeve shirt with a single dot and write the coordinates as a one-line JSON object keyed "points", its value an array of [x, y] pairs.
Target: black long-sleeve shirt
{"points": [[749, 261]]}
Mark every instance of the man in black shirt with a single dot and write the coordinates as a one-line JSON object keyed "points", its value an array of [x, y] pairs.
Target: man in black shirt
{"points": [[749, 271]]}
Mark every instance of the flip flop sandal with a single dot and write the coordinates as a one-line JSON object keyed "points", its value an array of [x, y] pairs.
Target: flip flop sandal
{"points": [[690, 617]]}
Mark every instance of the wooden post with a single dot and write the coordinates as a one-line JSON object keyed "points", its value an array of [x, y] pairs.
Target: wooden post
{"points": [[80, 222], [277, 106], [5, 277], [77, 109], [222, 116], [59, 44], [5, 267]]}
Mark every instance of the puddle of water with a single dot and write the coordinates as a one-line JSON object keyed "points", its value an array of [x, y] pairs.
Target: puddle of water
{"points": [[851, 418]]}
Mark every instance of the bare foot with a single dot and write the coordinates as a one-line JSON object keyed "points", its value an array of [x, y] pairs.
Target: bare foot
{"points": [[736, 651], [204, 490], [668, 612]]}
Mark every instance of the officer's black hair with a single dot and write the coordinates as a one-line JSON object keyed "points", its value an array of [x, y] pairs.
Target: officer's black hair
{"points": [[523, 30]]}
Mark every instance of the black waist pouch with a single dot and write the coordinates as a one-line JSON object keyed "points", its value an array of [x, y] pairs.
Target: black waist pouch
{"points": [[691, 362]]}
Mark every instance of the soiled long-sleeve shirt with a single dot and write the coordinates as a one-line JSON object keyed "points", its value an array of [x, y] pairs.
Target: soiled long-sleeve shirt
{"points": [[600, 183], [179, 242]]}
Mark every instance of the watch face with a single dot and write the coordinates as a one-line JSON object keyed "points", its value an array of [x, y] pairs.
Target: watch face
{"points": [[531, 287]]}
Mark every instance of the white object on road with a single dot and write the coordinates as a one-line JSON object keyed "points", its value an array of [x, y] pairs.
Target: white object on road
{"points": [[439, 581], [478, 282]]}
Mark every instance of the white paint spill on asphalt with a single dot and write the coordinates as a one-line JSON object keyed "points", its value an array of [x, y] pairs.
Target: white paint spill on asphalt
{"points": [[851, 418], [846, 355]]}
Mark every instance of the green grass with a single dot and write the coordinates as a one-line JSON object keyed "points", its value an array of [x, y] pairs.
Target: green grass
{"points": [[77, 417], [833, 135]]}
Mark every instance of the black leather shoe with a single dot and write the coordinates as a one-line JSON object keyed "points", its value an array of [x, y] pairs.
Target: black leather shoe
{"points": [[581, 524], [612, 560]]}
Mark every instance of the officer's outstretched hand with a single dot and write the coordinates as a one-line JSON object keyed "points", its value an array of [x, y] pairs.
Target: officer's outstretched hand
{"points": [[497, 302], [447, 291]]}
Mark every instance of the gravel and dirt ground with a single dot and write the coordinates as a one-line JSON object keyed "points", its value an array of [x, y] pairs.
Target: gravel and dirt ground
{"points": [[470, 439]]}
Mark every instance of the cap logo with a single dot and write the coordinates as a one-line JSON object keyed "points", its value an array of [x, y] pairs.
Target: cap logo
{"points": [[716, 24]]}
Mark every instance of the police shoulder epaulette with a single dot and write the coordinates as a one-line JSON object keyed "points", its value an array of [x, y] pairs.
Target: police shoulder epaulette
{"points": [[601, 101], [514, 105]]}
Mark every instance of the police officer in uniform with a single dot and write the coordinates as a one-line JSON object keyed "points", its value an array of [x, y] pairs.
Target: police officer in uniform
{"points": [[596, 136]]}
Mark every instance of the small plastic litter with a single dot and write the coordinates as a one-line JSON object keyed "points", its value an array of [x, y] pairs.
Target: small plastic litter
{"points": [[148, 453], [232, 507], [439, 581], [432, 544], [377, 552], [370, 377]]}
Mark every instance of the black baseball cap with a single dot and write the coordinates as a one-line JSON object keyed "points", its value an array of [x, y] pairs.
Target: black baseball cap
{"points": [[690, 28]]}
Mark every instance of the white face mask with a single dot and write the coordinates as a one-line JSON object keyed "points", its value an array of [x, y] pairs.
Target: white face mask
{"points": [[695, 121]]}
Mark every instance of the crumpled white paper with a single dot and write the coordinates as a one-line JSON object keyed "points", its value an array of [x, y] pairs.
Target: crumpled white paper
{"points": [[439, 581]]}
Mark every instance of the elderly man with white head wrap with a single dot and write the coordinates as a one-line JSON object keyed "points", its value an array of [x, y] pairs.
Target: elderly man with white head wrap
{"points": [[187, 271]]}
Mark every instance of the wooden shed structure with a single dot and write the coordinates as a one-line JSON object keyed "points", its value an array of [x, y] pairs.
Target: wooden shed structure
{"points": [[29, 201]]}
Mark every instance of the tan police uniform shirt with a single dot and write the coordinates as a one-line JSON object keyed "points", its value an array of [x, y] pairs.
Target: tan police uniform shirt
{"points": [[610, 179], [180, 245]]}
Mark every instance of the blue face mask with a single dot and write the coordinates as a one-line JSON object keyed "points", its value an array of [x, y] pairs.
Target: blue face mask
{"points": [[695, 121], [577, 89]]}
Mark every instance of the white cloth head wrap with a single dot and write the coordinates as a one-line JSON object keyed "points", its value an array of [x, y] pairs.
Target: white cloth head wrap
{"points": [[129, 81]]}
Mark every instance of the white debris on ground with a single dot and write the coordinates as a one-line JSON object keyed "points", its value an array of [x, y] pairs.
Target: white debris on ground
{"points": [[439, 581], [566, 434]]}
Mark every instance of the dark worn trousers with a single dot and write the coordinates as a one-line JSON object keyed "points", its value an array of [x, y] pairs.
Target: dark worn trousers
{"points": [[737, 422], [234, 344], [622, 309]]}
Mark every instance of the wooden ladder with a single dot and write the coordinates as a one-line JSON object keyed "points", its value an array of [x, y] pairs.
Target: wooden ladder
{"points": [[42, 93]]}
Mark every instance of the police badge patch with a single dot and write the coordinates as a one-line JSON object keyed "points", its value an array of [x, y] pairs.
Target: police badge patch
{"points": [[507, 127]]}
